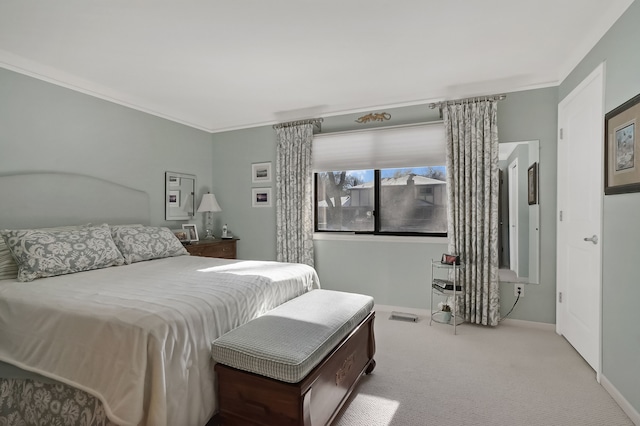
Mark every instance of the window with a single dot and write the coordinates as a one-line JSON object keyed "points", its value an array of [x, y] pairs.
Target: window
{"points": [[413, 200], [409, 201], [345, 201], [364, 183]]}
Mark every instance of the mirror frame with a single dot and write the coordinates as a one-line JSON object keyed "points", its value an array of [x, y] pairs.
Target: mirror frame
{"points": [[534, 224], [183, 185]]}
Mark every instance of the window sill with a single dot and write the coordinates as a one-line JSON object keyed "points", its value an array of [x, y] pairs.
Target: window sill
{"points": [[346, 236]]}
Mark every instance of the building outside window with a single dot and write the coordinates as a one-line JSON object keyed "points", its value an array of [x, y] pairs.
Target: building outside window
{"points": [[407, 201]]}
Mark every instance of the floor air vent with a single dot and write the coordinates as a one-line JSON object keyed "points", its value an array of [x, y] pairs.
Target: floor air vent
{"points": [[403, 316]]}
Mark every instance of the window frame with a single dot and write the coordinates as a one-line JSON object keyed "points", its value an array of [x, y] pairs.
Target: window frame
{"points": [[376, 216]]}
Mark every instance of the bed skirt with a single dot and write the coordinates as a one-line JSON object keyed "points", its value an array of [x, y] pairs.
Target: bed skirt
{"points": [[27, 402]]}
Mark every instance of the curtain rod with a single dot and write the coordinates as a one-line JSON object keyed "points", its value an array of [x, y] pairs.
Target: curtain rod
{"points": [[467, 100], [315, 121]]}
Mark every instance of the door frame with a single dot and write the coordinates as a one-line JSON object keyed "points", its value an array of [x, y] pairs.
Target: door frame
{"points": [[514, 213], [597, 73]]}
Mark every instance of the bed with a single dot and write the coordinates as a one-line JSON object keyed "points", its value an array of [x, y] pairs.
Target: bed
{"points": [[127, 344]]}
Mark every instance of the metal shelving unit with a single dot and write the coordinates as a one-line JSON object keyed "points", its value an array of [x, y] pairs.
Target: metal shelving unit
{"points": [[445, 288]]}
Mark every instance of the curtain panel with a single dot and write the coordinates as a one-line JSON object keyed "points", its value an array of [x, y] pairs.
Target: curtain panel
{"points": [[294, 204], [472, 180]]}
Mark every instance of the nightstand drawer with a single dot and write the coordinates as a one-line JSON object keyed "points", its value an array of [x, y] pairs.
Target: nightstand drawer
{"points": [[225, 249]]}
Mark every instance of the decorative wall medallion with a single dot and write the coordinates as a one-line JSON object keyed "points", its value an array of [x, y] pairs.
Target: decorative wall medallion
{"points": [[374, 116]]}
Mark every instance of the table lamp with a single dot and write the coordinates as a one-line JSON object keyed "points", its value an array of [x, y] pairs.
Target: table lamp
{"points": [[208, 205]]}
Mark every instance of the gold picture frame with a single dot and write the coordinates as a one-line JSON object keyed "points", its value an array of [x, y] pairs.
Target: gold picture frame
{"points": [[622, 148]]}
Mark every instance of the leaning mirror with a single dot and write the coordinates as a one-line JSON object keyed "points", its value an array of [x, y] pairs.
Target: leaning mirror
{"points": [[519, 232], [180, 191]]}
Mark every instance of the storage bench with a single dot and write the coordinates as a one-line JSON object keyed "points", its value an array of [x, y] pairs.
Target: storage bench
{"points": [[298, 363]]}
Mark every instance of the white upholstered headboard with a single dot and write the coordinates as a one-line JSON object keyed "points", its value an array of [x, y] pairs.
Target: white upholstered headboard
{"points": [[35, 200]]}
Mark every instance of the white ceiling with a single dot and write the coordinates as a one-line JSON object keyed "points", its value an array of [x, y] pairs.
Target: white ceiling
{"points": [[223, 65]]}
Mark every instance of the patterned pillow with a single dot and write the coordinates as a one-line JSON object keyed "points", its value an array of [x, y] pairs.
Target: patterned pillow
{"points": [[46, 253], [146, 242], [8, 267]]}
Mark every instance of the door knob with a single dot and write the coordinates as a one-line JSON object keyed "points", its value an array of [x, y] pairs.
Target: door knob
{"points": [[593, 239]]}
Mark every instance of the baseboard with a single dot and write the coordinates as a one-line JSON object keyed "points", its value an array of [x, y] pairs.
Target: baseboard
{"points": [[621, 400], [425, 313], [530, 324]]}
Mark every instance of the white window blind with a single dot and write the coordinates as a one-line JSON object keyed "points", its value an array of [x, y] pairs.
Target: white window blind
{"points": [[391, 147]]}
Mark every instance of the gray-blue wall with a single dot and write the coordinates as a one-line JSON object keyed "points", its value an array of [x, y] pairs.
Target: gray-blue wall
{"points": [[44, 127], [621, 230], [233, 154], [395, 271]]}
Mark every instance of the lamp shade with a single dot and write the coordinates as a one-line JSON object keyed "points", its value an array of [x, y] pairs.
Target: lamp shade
{"points": [[209, 204]]}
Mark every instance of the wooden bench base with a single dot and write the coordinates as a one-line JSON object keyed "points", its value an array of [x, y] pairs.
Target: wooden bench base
{"points": [[249, 399]]}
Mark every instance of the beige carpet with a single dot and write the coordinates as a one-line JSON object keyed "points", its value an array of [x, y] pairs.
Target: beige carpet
{"points": [[509, 375]]}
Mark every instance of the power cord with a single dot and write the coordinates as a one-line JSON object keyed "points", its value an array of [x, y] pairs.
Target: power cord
{"points": [[514, 305]]}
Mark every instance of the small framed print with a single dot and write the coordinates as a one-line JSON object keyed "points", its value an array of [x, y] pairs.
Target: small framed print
{"points": [[261, 197], [191, 230], [181, 234], [622, 149], [174, 198], [450, 259], [174, 180], [260, 172], [532, 186]]}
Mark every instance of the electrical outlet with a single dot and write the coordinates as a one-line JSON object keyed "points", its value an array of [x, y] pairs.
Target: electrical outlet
{"points": [[518, 288]]}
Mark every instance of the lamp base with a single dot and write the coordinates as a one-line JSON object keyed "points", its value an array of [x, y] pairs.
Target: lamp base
{"points": [[208, 226]]}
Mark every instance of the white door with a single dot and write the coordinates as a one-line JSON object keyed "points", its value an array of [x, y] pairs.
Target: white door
{"points": [[513, 217], [579, 222]]}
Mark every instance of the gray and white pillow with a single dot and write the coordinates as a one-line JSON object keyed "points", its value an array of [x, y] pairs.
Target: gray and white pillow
{"points": [[8, 267], [146, 243], [43, 253]]}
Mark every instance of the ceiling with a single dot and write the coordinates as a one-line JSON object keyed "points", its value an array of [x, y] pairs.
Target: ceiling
{"points": [[228, 65]]}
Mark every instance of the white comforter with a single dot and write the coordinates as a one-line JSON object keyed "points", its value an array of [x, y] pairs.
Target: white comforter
{"points": [[138, 337]]}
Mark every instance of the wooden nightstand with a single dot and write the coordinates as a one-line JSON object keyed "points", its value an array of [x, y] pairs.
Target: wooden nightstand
{"points": [[225, 249]]}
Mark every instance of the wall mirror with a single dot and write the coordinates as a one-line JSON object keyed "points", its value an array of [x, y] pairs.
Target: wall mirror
{"points": [[180, 202], [519, 231]]}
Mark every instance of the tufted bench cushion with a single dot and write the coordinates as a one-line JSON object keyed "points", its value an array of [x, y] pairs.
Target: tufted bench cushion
{"points": [[287, 342]]}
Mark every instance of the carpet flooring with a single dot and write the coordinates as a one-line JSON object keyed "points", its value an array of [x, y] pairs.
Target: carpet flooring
{"points": [[507, 375]]}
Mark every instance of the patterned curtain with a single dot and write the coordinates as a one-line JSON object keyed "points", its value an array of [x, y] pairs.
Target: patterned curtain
{"points": [[294, 209], [472, 180]]}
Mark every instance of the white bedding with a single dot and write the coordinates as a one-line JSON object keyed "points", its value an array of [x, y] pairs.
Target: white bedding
{"points": [[138, 337]]}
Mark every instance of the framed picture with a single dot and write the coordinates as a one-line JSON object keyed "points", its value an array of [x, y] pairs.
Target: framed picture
{"points": [[174, 181], [621, 149], [532, 183], [191, 230], [260, 172], [180, 234], [174, 198], [261, 197]]}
